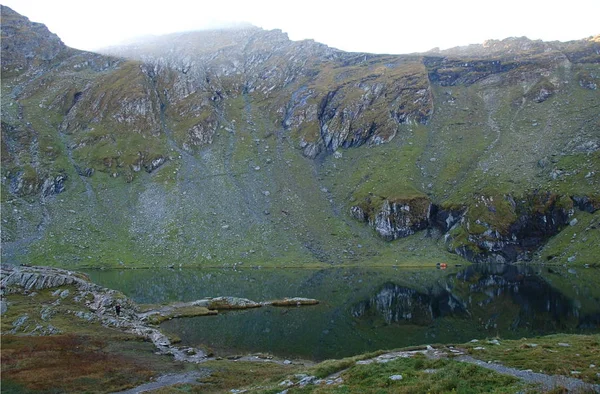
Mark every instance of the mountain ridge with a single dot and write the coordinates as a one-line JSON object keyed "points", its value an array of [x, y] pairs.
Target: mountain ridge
{"points": [[238, 151]]}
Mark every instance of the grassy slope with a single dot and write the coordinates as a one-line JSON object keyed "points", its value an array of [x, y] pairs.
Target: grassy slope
{"points": [[284, 213]]}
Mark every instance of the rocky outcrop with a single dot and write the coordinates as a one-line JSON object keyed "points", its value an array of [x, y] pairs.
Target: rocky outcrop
{"points": [[27, 183], [39, 278], [359, 109], [394, 218], [541, 91], [510, 229], [294, 301], [587, 204], [97, 304], [499, 229], [445, 218], [346, 121], [212, 306], [26, 43], [448, 71], [220, 303]]}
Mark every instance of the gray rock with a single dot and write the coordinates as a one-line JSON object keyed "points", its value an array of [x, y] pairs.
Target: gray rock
{"points": [[19, 322], [47, 313], [396, 377], [85, 315], [307, 380]]}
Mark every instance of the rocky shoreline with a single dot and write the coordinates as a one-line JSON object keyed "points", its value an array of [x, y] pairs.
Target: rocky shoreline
{"points": [[100, 306]]}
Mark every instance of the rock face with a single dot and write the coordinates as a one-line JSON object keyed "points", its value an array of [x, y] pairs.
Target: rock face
{"points": [[501, 229], [397, 218], [26, 43], [511, 228]]}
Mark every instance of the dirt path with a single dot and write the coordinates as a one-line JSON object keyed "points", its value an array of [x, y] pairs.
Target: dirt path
{"points": [[168, 380]]}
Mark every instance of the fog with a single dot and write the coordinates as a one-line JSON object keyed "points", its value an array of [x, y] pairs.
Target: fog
{"points": [[375, 26]]}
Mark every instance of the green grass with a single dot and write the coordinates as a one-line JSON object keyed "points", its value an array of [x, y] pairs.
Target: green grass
{"points": [[545, 355], [580, 243], [448, 376]]}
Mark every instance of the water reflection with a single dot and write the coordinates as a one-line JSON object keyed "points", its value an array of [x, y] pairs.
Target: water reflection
{"points": [[498, 299], [366, 309], [398, 304]]}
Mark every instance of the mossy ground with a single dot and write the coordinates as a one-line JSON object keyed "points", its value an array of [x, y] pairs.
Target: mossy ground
{"points": [[576, 246], [83, 357]]}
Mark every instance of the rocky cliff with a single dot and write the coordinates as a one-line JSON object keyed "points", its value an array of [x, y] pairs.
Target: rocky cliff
{"points": [[240, 145]]}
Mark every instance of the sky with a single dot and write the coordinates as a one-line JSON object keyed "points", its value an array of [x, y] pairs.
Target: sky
{"points": [[376, 26]]}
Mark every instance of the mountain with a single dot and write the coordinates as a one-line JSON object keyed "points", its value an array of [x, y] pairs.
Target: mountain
{"points": [[242, 146]]}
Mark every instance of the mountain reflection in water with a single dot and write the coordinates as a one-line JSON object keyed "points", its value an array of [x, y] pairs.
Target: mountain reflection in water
{"points": [[502, 297]]}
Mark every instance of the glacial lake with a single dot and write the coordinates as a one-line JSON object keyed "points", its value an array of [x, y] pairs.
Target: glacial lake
{"points": [[365, 309]]}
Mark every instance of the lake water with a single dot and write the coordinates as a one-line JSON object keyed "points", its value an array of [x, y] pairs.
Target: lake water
{"points": [[365, 309]]}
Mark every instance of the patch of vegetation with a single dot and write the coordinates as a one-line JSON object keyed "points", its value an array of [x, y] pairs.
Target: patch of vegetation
{"points": [[330, 367], [577, 245], [420, 375], [76, 363], [82, 357], [227, 375], [568, 355]]}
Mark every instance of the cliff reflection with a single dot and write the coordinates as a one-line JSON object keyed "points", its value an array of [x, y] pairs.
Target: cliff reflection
{"points": [[493, 297]]}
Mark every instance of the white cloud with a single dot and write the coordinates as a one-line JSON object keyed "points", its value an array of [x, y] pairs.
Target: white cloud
{"points": [[371, 26]]}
